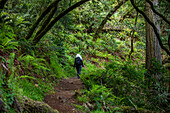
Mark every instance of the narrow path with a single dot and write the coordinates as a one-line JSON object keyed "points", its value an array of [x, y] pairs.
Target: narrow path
{"points": [[64, 96]]}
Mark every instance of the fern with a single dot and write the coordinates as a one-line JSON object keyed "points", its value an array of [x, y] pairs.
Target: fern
{"points": [[55, 67], [11, 88], [7, 40], [36, 64]]}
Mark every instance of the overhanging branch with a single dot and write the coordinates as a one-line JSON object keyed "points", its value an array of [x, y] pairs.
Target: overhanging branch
{"points": [[50, 25], [153, 26], [127, 13], [156, 12], [46, 21], [44, 13], [99, 29]]}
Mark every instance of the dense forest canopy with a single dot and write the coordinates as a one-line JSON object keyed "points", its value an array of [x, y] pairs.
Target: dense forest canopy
{"points": [[125, 45]]}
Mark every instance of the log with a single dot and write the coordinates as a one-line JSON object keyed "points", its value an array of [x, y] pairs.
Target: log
{"points": [[27, 104], [33, 106], [30, 106]]}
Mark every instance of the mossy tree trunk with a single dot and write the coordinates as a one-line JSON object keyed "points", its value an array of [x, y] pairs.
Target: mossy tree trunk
{"points": [[48, 23], [42, 16], [37, 37], [33, 106], [156, 12]]}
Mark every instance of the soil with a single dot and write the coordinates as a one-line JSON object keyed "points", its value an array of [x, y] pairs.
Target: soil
{"points": [[64, 97]]}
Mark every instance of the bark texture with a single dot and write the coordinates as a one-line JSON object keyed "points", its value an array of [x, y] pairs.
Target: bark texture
{"points": [[156, 12], [47, 20], [153, 49], [156, 31]]}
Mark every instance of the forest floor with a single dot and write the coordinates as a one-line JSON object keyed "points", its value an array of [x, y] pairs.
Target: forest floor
{"points": [[64, 97]]}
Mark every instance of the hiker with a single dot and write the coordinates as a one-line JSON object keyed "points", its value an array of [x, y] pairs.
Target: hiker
{"points": [[78, 64]]}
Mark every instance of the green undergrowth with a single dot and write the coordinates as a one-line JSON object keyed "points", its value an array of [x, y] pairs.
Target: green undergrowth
{"points": [[111, 77], [123, 83], [35, 91]]}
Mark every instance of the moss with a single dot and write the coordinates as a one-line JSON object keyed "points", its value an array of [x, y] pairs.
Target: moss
{"points": [[37, 106]]}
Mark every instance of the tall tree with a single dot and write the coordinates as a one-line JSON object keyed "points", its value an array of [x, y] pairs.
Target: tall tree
{"points": [[151, 23], [153, 49]]}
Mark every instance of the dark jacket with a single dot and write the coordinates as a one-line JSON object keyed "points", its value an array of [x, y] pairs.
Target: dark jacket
{"points": [[75, 65]]}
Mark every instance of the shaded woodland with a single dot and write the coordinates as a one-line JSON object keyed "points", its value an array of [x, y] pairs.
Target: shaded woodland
{"points": [[125, 45]]}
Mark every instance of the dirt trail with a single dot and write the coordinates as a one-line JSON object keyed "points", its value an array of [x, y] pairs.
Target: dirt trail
{"points": [[64, 96]]}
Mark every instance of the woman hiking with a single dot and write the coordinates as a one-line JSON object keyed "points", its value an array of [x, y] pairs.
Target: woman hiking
{"points": [[78, 64]]}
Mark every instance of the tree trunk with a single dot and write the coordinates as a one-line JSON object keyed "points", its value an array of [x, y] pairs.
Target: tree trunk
{"points": [[32, 106], [156, 12], [157, 33], [46, 21], [153, 49]]}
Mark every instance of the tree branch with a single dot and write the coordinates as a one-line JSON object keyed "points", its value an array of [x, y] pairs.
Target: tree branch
{"points": [[106, 18], [132, 36], [46, 22], [153, 26], [44, 13], [156, 12], [127, 13], [50, 25]]}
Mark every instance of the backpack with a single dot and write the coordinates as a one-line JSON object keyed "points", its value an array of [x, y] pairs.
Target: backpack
{"points": [[78, 61]]}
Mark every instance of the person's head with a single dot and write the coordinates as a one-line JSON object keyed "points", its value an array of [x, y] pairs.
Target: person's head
{"points": [[78, 55]]}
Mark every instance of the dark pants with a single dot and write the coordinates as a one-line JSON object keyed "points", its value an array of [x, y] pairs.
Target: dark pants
{"points": [[78, 68]]}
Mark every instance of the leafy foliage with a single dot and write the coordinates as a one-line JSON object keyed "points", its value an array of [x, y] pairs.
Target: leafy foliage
{"points": [[111, 79], [125, 81], [7, 36]]}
